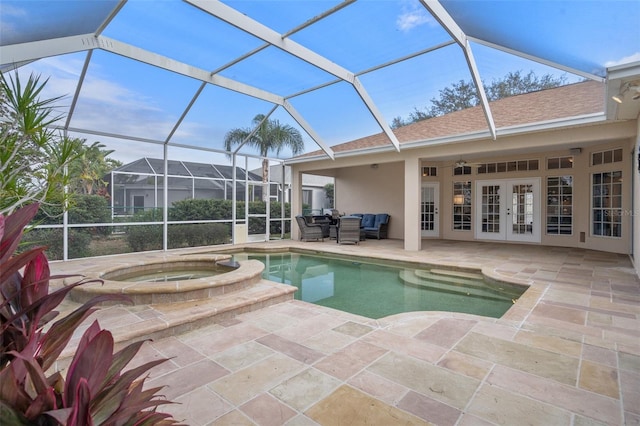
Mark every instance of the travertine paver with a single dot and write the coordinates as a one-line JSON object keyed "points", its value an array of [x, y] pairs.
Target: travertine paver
{"points": [[568, 397], [267, 410], [350, 360], [198, 407], [566, 353], [433, 381], [305, 389], [507, 408], [356, 408], [258, 378], [543, 363]]}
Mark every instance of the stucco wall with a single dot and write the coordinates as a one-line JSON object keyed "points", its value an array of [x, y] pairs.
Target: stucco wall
{"points": [[635, 249], [367, 189]]}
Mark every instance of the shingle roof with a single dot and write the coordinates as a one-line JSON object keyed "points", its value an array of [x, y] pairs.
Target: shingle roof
{"points": [[544, 105]]}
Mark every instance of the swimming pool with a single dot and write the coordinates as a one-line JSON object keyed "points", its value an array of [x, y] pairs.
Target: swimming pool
{"points": [[376, 290]]}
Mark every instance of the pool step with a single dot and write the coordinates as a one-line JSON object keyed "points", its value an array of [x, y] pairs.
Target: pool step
{"points": [[453, 273], [452, 285], [429, 275], [469, 279], [161, 320]]}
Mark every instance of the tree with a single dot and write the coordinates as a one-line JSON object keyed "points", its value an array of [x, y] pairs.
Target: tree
{"points": [[32, 156], [267, 136], [90, 166], [463, 94], [329, 191], [515, 83]]}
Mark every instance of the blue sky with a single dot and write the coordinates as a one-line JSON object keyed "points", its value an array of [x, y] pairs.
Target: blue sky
{"points": [[125, 97]]}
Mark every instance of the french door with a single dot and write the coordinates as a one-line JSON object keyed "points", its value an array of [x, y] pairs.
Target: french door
{"points": [[429, 210], [508, 210]]}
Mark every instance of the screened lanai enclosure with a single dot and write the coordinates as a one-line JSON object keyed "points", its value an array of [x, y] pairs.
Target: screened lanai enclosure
{"points": [[162, 85], [140, 185]]}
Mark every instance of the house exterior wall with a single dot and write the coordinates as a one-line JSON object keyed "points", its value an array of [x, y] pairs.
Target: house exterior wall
{"points": [[361, 188], [582, 198], [367, 189], [635, 214]]}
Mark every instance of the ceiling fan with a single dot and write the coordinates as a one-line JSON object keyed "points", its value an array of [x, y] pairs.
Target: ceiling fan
{"points": [[464, 163], [632, 87]]}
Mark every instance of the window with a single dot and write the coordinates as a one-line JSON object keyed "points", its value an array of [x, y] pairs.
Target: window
{"points": [[429, 171], [560, 205], [606, 157], [462, 206], [508, 166], [559, 163], [307, 197], [461, 170], [606, 208]]}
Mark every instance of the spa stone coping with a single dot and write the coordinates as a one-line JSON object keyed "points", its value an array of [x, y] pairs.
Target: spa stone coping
{"points": [[247, 273]]}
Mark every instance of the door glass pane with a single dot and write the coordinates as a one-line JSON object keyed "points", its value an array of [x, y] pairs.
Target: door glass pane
{"points": [[462, 206], [606, 196], [427, 218], [491, 208], [522, 209]]}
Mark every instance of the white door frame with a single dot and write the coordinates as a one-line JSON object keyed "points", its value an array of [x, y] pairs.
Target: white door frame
{"points": [[496, 215], [430, 219]]}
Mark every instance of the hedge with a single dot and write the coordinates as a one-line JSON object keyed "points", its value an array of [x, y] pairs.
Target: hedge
{"points": [[149, 237]]}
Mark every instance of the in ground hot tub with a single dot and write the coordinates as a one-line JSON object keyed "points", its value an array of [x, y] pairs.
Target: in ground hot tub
{"points": [[168, 271], [171, 279]]}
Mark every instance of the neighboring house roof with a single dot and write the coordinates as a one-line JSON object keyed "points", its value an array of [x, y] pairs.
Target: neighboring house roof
{"points": [[275, 174], [545, 105], [186, 168]]}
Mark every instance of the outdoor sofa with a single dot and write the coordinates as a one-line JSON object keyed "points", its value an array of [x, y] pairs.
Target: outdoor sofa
{"points": [[375, 225]]}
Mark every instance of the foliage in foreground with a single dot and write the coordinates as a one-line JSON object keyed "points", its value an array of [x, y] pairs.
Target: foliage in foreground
{"points": [[33, 157], [96, 389]]}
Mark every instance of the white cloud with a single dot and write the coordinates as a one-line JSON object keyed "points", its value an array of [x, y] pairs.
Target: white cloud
{"points": [[627, 59], [413, 16], [103, 105], [9, 19]]}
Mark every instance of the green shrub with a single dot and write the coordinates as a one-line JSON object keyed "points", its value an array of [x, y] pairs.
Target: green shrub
{"points": [[149, 237], [144, 237], [52, 239], [201, 209], [91, 209], [198, 234]]}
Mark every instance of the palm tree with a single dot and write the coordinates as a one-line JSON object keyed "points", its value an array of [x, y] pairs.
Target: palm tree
{"points": [[267, 136], [32, 156], [88, 170]]}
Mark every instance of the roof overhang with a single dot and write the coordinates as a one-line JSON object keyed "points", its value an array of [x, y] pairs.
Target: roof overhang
{"points": [[507, 131]]}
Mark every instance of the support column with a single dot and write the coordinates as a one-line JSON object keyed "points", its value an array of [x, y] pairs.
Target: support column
{"points": [[412, 179], [296, 201]]}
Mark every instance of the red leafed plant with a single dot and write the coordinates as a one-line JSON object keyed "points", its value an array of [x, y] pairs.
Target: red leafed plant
{"points": [[97, 389]]}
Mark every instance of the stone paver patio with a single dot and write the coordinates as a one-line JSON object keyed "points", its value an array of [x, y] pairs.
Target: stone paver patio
{"points": [[566, 353]]}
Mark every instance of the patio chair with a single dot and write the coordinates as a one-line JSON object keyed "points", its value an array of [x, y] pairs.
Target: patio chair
{"points": [[309, 231], [349, 230]]}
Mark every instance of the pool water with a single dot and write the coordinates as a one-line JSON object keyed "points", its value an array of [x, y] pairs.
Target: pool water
{"points": [[378, 290]]}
